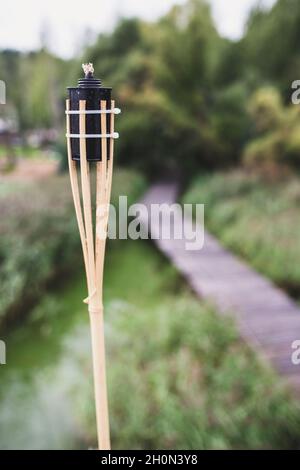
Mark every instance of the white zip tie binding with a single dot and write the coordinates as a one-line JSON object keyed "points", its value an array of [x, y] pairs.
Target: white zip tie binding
{"points": [[96, 111], [115, 135]]}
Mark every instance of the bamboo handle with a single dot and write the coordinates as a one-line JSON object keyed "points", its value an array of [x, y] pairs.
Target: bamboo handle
{"points": [[98, 348], [95, 298]]}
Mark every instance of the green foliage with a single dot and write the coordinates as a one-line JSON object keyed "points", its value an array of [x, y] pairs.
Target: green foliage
{"points": [[230, 121], [275, 144], [39, 239], [271, 43], [266, 109], [191, 383], [255, 219], [185, 378], [116, 56], [186, 90], [162, 75], [264, 152], [36, 85]]}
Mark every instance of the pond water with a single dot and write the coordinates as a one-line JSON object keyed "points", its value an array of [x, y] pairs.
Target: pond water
{"points": [[46, 385], [41, 370], [49, 357]]}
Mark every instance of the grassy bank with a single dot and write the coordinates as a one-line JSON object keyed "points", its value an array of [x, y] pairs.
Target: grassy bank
{"points": [[39, 241], [258, 220]]}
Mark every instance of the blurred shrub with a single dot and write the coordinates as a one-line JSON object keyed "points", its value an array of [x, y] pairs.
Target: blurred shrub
{"points": [[39, 240], [275, 145], [265, 155], [271, 43], [156, 134], [230, 121], [37, 84], [266, 109]]}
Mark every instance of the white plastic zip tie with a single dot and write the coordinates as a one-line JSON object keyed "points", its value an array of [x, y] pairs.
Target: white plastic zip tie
{"points": [[115, 135], [95, 111]]}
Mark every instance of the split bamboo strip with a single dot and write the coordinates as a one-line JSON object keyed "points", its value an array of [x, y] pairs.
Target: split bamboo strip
{"points": [[76, 196], [87, 203], [101, 203], [111, 150]]}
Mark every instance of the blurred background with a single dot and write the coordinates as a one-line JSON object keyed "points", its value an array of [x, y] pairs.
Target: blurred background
{"points": [[205, 90]]}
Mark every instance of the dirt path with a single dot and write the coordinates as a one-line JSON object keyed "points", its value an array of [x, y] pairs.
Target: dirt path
{"points": [[28, 170]]}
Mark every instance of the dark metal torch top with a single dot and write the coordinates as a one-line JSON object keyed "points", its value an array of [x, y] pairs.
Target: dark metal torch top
{"points": [[89, 81], [91, 91]]}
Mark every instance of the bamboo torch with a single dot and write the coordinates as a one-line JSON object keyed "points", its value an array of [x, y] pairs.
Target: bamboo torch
{"points": [[90, 136]]}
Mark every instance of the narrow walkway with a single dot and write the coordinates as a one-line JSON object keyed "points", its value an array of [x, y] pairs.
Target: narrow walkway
{"points": [[266, 317], [30, 169]]}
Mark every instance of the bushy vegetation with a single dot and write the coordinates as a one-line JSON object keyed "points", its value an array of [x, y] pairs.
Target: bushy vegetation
{"points": [[179, 376], [256, 219], [275, 147], [36, 85], [193, 385], [270, 45], [39, 240]]}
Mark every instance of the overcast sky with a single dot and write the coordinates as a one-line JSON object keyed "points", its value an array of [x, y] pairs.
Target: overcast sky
{"points": [[21, 22]]}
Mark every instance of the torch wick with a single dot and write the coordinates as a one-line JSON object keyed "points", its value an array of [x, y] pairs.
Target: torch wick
{"points": [[88, 70]]}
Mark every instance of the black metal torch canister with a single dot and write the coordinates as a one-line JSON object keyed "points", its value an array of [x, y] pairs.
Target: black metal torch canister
{"points": [[89, 89]]}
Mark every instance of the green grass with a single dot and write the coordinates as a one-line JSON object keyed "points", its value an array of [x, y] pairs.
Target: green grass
{"points": [[256, 219], [21, 151]]}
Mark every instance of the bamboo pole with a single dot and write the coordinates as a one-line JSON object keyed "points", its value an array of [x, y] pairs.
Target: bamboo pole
{"points": [[99, 366], [76, 194], [111, 150], [93, 254], [101, 202]]}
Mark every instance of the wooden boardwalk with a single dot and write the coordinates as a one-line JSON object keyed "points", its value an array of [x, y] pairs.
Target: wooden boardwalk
{"points": [[266, 317]]}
